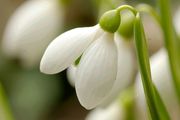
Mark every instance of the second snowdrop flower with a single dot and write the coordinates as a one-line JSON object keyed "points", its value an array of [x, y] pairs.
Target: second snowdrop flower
{"points": [[31, 28], [101, 63]]}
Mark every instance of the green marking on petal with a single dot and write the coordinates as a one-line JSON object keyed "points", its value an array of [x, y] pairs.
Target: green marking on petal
{"points": [[77, 61]]}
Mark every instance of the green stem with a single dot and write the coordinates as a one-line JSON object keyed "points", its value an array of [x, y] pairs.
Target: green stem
{"points": [[155, 104], [160, 106], [5, 112], [171, 42]]}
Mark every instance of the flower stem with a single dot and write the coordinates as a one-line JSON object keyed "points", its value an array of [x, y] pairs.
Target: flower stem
{"points": [[155, 104], [123, 7], [171, 42], [5, 112]]}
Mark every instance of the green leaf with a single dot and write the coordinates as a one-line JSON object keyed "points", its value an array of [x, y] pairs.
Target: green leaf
{"points": [[154, 102], [161, 107], [171, 42], [5, 112]]}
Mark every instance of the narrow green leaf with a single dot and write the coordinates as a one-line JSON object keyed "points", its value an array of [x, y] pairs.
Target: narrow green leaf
{"points": [[155, 104], [144, 67], [161, 107], [5, 112], [171, 42]]}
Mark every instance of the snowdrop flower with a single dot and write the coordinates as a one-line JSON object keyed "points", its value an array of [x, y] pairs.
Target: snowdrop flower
{"points": [[30, 29], [177, 20], [153, 33], [162, 79], [106, 60], [113, 112]]}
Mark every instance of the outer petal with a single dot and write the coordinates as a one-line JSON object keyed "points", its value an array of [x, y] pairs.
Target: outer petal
{"points": [[97, 71], [71, 74], [162, 79], [31, 28], [66, 48], [126, 69]]}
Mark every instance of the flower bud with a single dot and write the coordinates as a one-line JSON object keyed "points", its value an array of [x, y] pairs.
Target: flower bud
{"points": [[110, 21]]}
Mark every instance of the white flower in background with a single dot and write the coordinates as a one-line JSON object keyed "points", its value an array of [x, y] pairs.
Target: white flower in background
{"points": [[162, 79], [30, 29], [177, 20], [106, 61], [153, 33], [113, 112]]}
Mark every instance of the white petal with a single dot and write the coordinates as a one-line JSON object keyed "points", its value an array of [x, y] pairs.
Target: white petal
{"points": [[177, 21], [112, 112], [71, 74], [31, 28], [66, 48], [126, 69], [162, 79], [97, 71]]}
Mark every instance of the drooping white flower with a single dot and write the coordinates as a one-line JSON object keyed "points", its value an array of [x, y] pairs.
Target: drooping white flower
{"points": [[177, 20], [30, 29], [102, 65], [162, 79], [113, 112]]}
